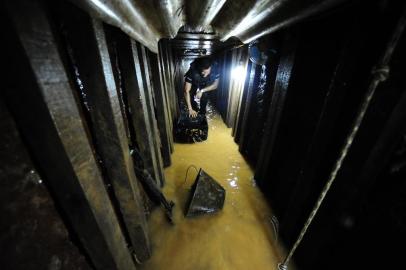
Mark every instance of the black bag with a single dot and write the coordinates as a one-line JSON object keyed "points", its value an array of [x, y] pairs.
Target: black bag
{"points": [[191, 129]]}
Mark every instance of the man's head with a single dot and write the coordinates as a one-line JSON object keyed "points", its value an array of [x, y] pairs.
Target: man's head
{"points": [[203, 66]]}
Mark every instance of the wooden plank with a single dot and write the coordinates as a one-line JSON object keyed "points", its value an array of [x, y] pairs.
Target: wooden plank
{"points": [[168, 68], [93, 65], [333, 101], [173, 92], [220, 90], [234, 55], [247, 107], [275, 111], [165, 79], [47, 113], [28, 211], [239, 89], [238, 58], [221, 82], [137, 101], [226, 79], [162, 116], [112, 34], [149, 100]]}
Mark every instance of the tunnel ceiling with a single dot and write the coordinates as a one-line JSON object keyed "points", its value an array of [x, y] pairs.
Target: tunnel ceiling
{"points": [[147, 21]]}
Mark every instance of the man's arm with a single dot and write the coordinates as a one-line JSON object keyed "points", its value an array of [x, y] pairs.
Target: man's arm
{"points": [[211, 87], [192, 112]]}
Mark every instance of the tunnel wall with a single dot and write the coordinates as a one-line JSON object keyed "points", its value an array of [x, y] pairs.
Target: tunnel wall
{"points": [[33, 233], [81, 96], [292, 130], [84, 98]]}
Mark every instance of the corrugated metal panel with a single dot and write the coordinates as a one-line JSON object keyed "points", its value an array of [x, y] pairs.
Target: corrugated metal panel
{"points": [[149, 21]]}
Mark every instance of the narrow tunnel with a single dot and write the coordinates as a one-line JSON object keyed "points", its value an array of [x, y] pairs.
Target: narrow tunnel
{"points": [[257, 134]]}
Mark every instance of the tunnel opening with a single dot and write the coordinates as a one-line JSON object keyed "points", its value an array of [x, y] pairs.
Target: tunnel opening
{"points": [[309, 94]]}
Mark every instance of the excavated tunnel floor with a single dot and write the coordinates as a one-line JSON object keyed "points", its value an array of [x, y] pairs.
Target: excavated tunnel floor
{"points": [[238, 237]]}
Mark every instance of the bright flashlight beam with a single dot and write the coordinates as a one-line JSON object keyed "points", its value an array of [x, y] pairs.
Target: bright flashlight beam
{"points": [[238, 73]]}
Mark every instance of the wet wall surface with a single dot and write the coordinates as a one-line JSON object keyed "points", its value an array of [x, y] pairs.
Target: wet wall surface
{"points": [[334, 59], [32, 234]]}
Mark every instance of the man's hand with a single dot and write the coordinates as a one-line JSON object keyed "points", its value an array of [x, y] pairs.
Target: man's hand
{"points": [[192, 113]]}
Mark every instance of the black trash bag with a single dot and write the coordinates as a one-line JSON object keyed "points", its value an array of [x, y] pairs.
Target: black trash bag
{"points": [[191, 129]]}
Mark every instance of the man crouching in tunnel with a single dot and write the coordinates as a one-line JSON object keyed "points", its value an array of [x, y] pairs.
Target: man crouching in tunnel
{"points": [[201, 78]]}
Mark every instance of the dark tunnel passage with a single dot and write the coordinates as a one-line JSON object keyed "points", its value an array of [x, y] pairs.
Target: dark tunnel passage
{"points": [[302, 148]]}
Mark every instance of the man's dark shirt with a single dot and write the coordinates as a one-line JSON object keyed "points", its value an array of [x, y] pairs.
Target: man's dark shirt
{"points": [[198, 82]]}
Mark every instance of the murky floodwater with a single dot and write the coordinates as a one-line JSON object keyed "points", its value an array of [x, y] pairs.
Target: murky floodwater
{"points": [[238, 237]]}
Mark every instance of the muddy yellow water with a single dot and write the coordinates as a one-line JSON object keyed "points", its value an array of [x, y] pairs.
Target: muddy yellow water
{"points": [[238, 237]]}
